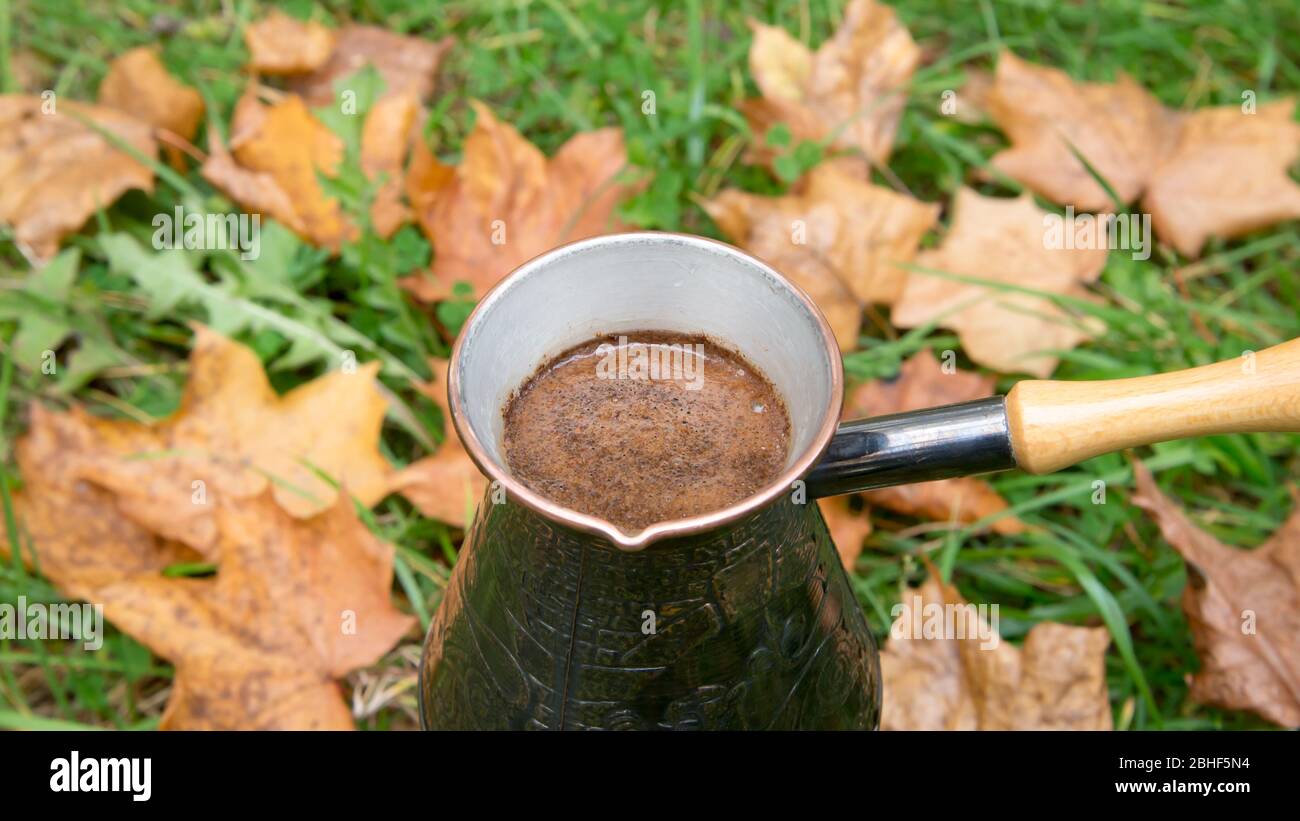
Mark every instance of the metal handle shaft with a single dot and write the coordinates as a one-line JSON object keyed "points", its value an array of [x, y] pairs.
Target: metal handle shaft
{"points": [[917, 446]]}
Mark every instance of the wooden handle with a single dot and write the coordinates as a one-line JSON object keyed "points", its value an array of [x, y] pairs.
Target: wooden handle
{"points": [[1056, 424]]}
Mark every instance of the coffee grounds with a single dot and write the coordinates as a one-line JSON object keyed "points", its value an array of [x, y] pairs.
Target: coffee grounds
{"points": [[599, 431]]}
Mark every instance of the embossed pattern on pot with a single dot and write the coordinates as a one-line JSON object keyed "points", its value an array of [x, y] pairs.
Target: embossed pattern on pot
{"points": [[750, 626]]}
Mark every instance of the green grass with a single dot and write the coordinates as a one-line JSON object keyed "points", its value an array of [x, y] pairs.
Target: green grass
{"points": [[553, 68]]}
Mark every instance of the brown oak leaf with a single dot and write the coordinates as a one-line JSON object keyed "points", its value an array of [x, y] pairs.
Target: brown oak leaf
{"points": [[1004, 241], [295, 605], [506, 202], [234, 437], [408, 65], [853, 89], [923, 383], [970, 104], [390, 129], [963, 681], [1214, 172], [70, 528], [58, 171], [255, 191], [280, 44], [1226, 175], [1243, 607], [447, 484], [840, 239], [138, 84], [848, 528], [291, 146], [1120, 128], [280, 149]]}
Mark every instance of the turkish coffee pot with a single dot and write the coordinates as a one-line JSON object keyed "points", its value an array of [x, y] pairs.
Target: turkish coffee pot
{"points": [[741, 618]]}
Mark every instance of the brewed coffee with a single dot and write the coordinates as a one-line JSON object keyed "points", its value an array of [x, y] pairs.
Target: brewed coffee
{"points": [[646, 427]]}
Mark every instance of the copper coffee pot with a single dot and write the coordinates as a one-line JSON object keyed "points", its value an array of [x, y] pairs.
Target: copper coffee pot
{"points": [[741, 618]]}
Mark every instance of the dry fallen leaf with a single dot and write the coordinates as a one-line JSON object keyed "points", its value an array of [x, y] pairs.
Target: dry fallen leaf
{"points": [[932, 681], [767, 233], [234, 437], [970, 104], [292, 146], [57, 171], [280, 149], [848, 528], [389, 130], [840, 239], [1243, 607], [1119, 127], [255, 191], [1218, 171], [506, 202], [407, 64], [426, 178], [1002, 240], [280, 44], [295, 605], [1226, 175], [853, 88], [923, 383], [249, 115], [82, 541], [138, 84], [447, 484]]}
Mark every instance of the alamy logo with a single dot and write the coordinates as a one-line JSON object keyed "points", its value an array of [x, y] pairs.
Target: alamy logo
{"points": [[197, 231], [43, 621], [1127, 232], [77, 774], [678, 362], [919, 619]]}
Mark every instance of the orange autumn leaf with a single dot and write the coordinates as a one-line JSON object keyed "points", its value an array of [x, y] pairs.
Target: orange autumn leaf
{"points": [[271, 173], [768, 236], [70, 528], [138, 84], [1213, 172], [408, 65], [848, 529], [291, 146], [255, 191], [852, 90], [58, 171], [391, 127], [295, 605], [1226, 175], [447, 484], [506, 202], [426, 177], [1004, 241], [923, 383], [969, 681], [1243, 607], [1119, 127], [840, 239], [970, 103], [234, 438], [280, 44], [248, 117]]}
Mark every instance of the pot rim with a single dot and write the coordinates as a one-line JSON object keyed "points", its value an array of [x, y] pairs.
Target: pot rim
{"points": [[669, 528]]}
